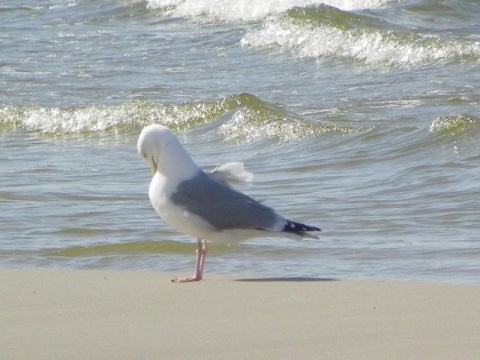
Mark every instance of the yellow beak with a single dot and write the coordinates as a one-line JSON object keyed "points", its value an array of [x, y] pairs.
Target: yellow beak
{"points": [[153, 167]]}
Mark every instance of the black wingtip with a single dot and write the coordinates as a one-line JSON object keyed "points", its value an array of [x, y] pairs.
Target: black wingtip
{"points": [[292, 226]]}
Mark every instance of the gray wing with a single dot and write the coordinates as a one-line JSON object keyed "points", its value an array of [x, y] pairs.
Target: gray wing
{"points": [[222, 206]]}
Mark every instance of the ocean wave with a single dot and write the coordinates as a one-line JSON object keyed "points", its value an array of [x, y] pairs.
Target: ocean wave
{"points": [[249, 10], [249, 124], [241, 118], [101, 118], [455, 124], [324, 32]]}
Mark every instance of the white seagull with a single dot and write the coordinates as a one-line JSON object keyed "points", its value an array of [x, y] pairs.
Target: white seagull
{"points": [[204, 205]]}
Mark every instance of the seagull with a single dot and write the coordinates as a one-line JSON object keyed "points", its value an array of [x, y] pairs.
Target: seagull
{"points": [[205, 205]]}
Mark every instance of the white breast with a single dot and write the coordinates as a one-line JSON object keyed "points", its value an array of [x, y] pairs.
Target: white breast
{"points": [[177, 217]]}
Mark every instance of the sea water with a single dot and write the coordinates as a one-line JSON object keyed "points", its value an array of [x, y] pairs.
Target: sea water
{"points": [[360, 117]]}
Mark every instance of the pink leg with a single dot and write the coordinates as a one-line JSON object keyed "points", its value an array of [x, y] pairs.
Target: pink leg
{"points": [[201, 255]]}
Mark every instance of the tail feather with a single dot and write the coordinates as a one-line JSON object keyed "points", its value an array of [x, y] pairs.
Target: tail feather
{"points": [[300, 229]]}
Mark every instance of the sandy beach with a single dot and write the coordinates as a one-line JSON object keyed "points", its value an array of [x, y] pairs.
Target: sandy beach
{"points": [[63, 314]]}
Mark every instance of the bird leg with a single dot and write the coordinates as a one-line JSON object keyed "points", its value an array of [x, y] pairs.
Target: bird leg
{"points": [[201, 255]]}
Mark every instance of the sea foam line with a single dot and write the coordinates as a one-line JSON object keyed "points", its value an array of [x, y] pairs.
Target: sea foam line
{"points": [[250, 10]]}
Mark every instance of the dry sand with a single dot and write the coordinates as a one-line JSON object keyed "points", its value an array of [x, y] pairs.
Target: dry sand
{"points": [[61, 314]]}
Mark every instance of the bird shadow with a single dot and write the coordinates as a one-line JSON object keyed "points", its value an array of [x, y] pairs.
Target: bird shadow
{"points": [[286, 279]]}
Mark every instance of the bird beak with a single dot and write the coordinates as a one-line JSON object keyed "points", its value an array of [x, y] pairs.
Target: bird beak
{"points": [[153, 167]]}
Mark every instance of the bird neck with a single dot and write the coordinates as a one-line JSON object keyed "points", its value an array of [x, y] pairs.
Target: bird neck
{"points": [[175, 163]]}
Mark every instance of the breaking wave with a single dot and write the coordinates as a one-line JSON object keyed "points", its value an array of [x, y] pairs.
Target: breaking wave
{"points": [[249, 10], [240, 118], [325, 32]]}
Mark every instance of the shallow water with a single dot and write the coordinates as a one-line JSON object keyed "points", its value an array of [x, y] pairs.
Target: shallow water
{"points": [[360, 117]]}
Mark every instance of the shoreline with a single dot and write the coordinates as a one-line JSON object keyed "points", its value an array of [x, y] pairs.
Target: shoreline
{"points": [[90, 314]]}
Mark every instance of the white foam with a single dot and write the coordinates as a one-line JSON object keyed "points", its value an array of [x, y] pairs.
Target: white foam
{"points": [[453, 124], [251, 10], [247, 125], [56, 120], [99, 118], [369, 47]]}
